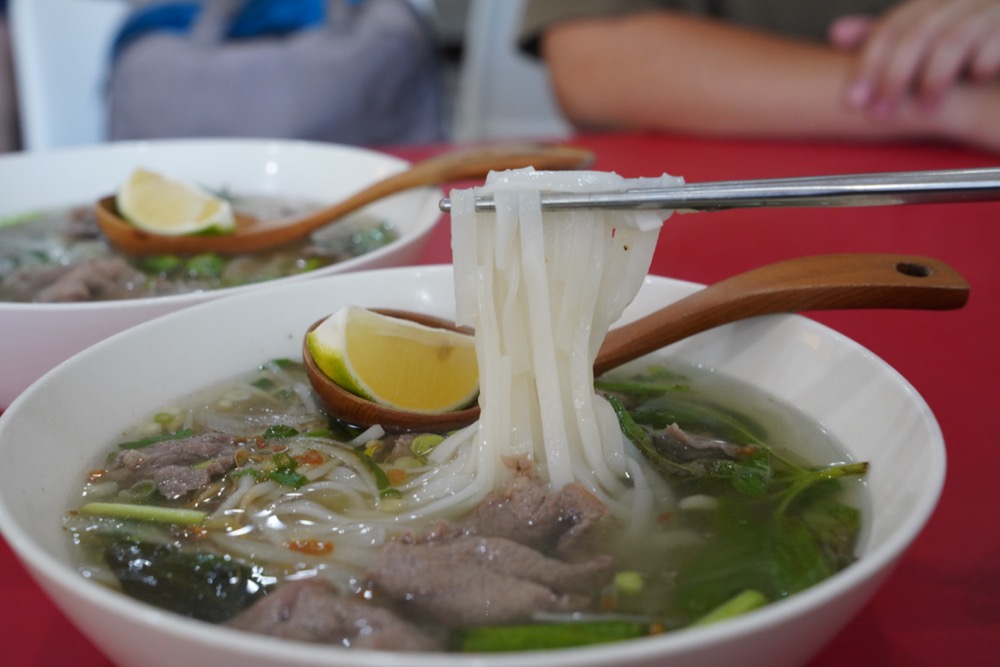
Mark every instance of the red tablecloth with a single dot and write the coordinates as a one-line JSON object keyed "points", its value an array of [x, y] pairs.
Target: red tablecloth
{"points": [[942, 604]]}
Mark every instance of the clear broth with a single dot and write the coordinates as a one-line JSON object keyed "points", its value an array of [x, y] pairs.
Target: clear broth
{"points": [[668, 563]]}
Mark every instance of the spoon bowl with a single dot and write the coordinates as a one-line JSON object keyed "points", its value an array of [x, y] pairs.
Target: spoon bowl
{"points": [[253, 235], [822, 282]]}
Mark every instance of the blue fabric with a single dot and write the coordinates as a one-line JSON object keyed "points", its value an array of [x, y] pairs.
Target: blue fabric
{"points": [[260, 18], [257, 18], [176, 17]]}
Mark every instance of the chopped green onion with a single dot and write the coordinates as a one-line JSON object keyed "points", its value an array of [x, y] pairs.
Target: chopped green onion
{"points": [[161, 264], [309, 264], [153, 439], [746, 601], [628, 582], [548, 635], [424, 444], [174, 515]]}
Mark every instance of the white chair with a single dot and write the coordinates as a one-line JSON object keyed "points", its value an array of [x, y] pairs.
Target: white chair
{"points": [[61, 58], [502, 93]]}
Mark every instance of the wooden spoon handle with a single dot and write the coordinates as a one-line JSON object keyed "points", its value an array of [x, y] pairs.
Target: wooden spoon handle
{"points": [[456, 166], [823, 282]]}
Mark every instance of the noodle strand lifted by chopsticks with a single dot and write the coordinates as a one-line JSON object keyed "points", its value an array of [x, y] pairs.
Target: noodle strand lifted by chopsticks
{"points": [[542, 292]]}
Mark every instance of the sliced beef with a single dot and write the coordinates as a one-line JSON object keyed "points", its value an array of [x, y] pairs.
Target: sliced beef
{"points": [[177, 466], [24, 283], [95, 280], [528, 512], [681, 446], [311, 610], [472, 580]]}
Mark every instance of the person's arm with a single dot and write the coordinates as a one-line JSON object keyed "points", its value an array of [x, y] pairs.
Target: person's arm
{"points": [[683, 73]]}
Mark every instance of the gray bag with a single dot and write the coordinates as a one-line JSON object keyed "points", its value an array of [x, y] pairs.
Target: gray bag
{"points": [[368, 76]]}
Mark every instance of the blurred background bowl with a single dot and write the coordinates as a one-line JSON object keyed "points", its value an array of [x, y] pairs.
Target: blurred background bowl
{"points": [[34, 337], [58, 428]]}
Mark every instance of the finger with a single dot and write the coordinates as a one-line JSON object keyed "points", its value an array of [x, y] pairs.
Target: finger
{"points": [[986, 63], [949, 55], [850, 32], [964, 47], [877, 53], [896, 55]]}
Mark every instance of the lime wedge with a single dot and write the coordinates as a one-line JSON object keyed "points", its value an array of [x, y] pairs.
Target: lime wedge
{"points": [[396, 362], [161, 205]]}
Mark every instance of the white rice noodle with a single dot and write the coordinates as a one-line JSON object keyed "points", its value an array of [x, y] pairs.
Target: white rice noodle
{"points": [[371, 433], [541, 293], [457, 484]]}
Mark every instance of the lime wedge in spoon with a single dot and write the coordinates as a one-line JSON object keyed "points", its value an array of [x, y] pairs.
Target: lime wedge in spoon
{"points": [[396, 362], [160, 205]]}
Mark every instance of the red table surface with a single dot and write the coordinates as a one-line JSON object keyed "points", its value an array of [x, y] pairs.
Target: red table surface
{"points": [[941, 606]]}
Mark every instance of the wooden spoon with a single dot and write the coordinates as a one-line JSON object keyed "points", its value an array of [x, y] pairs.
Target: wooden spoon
{"points": [[252, 235], [823, 282]]}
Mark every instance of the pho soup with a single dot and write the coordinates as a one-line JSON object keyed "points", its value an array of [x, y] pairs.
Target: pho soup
{"points": [[576, 510], [61, 256]]}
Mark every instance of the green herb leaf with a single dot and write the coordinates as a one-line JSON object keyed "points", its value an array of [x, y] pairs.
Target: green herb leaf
{"points": [[201, 585], [284, 471], [750, 477], [778, 558], [264, 383], [279, 431], [281, 362], [288, 478], [381, 478]]}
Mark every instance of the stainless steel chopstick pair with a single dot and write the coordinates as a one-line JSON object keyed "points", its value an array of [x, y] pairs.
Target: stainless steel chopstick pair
{"points": [[881, 189]]}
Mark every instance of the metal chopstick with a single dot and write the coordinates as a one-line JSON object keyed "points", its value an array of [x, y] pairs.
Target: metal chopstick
{"points": [[880, 189]]}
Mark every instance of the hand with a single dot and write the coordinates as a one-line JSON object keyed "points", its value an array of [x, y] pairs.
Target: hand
{"points": [[920, 48]]}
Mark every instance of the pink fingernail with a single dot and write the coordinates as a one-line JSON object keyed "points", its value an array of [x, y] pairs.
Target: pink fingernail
{"points": [[858, 94]]}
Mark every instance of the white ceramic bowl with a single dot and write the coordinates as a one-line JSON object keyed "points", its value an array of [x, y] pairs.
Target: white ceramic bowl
{"points": [[55, 429], [35, 337]]}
